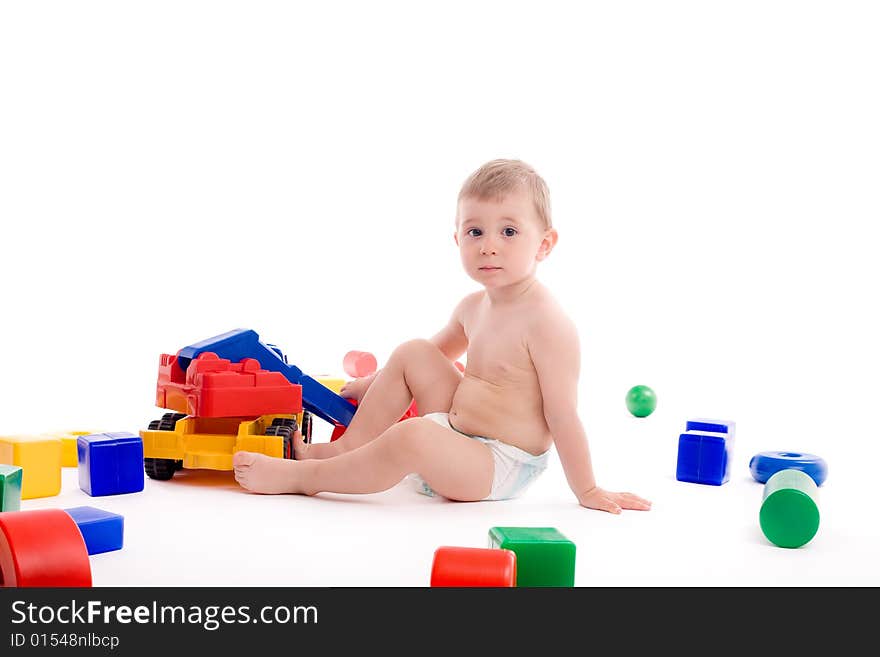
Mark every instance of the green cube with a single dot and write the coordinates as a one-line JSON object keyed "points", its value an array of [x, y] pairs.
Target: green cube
{"points": [[544, 556], [10, 488]]}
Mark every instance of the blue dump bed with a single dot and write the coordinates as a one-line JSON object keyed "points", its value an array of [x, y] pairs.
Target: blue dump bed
{"points": [[237, 344]]}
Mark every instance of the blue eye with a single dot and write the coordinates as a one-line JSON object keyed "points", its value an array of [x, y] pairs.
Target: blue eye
{"points": [[509, 232], [475, 232]]}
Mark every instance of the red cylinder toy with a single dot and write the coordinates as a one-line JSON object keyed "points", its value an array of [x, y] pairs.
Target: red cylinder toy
{"points": [[359, 363], [42, 547], [466, 566]]}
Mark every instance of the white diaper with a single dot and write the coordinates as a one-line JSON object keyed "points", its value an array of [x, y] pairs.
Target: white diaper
{"points": [[515, 469]]}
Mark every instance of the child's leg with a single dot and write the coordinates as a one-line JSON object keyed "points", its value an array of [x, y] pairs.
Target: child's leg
{"points": [[454, 465], [418, 370]]}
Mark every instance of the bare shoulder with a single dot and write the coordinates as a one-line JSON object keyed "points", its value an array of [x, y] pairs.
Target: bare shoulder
{"points": [[468, 304], [548, 320]]}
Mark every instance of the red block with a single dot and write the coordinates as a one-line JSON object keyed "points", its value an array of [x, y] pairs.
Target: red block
{"points": [[42, 547], [473, 567], [217, 387]]}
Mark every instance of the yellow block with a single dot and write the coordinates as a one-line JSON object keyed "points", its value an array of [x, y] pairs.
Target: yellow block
{"points": [[331, 382], [39, 458], [68, 445]]}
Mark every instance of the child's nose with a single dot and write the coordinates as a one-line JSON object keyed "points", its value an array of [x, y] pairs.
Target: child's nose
{"points": [[489, 247]]}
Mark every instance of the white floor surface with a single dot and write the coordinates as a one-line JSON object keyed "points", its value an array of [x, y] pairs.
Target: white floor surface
{"points": [[202, 529]]}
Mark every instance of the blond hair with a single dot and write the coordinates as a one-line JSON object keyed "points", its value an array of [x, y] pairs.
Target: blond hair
{"points": [[495, 179]]}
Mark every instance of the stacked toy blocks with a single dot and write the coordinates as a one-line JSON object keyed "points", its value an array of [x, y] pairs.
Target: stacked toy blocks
{"points": [[705, 451], [544, 556], [101, 530], [10, 488], [110, 463], [39, 457]]}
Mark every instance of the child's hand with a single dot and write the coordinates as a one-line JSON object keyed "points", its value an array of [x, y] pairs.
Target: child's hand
{"points": [[603, 500]]}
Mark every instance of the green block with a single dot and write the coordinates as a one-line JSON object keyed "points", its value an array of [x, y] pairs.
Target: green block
{"points": [[10, 488], [544, 556]]}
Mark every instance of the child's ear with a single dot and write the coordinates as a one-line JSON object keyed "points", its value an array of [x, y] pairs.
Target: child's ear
{"points": [[455, 237], [547, 244]]}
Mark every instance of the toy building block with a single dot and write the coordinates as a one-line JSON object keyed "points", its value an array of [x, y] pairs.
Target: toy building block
{"points": [[358, 364], [544, 556], [40, 460], [216, 387], [473, 567], [101, 530], [715, 426], [42, 548], [789, 515], [111, 463], [705, 452], [68, 445], [334, 383], [10, 488], [239, 344], [764, 465]]}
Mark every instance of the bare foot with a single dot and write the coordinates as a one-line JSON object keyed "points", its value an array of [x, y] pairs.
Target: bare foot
{"points": [[356, 388], [263, 474], [302, 451]]}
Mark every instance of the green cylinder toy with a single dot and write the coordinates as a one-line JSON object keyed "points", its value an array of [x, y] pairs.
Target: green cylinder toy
{"points": [[790, 511]]}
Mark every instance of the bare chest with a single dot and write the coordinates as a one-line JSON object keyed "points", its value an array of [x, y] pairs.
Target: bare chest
{"points": [[497, 350]]}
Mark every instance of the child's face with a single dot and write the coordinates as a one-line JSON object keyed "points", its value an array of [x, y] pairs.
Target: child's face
{"points": [[501, 241]]}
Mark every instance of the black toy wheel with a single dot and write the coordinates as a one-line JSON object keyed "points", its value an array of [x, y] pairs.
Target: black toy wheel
{"points": [[307, 427], [167, 423], [169, 420], [286, 432], [161, 469]]}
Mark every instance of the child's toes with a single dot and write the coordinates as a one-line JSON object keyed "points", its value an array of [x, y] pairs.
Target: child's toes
{"points": [[243, 459]]}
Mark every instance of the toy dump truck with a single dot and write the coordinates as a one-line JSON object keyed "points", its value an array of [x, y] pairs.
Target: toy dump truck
{"points": [[232, 393]]}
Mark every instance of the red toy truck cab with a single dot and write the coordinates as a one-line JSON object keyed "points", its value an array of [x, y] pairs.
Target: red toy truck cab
{"points": [[220, 408]]}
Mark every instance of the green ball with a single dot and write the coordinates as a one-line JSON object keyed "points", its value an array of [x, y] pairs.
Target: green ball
{"points": [[641, 401]]}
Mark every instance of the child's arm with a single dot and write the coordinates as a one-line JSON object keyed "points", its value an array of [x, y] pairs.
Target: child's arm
{"points": [[555, 351], [451, 339]]}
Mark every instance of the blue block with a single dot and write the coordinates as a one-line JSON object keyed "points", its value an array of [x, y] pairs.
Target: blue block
{"points": [[715, 426], [704, 457], [101, 530], [238, 344], [110, 463]]}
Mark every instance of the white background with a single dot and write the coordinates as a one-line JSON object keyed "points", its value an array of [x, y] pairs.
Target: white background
{"points": [[173, 170]]}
